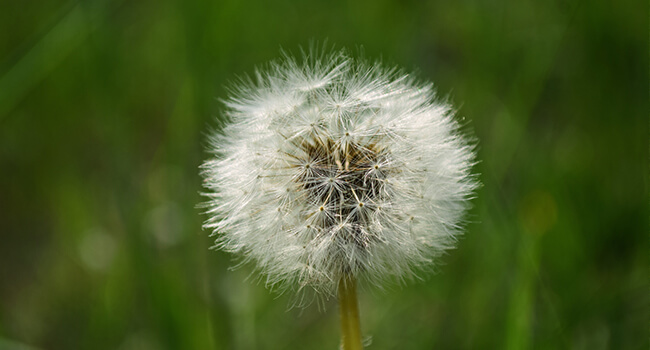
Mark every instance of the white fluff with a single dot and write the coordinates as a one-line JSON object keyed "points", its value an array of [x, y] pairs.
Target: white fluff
{"points": [[330, 167]]}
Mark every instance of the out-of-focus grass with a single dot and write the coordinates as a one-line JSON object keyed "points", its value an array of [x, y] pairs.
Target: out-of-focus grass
{"points": [[104, 110]]}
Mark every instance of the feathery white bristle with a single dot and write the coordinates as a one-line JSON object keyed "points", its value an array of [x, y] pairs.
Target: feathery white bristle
{"points": [[332, 167]]}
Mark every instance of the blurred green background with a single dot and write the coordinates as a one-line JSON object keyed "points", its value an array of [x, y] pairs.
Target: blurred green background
{"points": [[104, 111]]}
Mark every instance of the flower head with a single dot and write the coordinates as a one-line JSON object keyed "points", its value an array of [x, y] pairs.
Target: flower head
{"points": [[331, 168]]}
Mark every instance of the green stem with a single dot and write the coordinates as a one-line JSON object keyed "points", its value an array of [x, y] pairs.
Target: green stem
{"points": [[348, 307]]}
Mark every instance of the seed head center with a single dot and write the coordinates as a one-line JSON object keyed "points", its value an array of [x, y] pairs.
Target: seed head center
{"points": [[342, 179]]}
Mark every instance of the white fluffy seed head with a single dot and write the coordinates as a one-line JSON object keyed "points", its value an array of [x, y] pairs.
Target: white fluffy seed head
{"points": [[330, 167]]}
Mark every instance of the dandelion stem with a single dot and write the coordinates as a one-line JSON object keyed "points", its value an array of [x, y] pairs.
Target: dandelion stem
{"points": [[348, 307]]}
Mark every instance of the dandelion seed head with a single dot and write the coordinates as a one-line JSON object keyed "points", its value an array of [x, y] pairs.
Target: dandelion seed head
{"points": [[330, 167]]}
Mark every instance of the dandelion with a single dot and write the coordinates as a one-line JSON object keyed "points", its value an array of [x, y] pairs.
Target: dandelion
{"points": [[330, 171]]}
